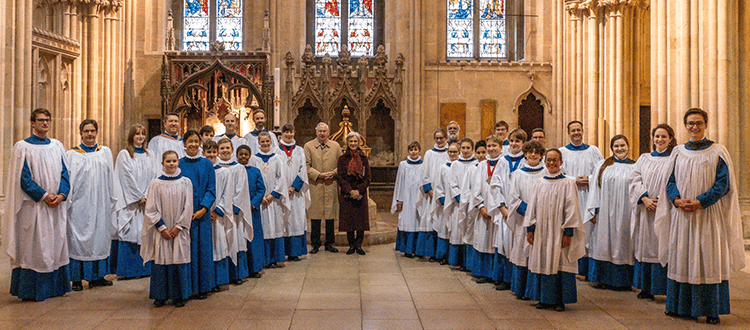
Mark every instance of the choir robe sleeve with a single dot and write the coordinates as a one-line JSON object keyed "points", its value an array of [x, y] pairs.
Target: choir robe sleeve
{"points": [[637, 188], [573, 221], [439, 194], [241, 200], [302, 181], [29, 186], [126, 183], [516, 206], [594, 199], [720, 187], [280, 190], [499, 188], [398, 188], [209, 197], [257, 187]]}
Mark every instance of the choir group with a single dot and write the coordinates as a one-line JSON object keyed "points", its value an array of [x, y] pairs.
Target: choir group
{"points": [[194, 213], [197, 212], [529, 219]]}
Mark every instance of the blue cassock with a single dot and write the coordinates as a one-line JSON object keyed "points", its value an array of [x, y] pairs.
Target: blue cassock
{"points": [[201, 173], [256, 248]]}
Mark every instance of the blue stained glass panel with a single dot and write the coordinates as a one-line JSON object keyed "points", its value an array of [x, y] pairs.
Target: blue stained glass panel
{"points": [[460, 29], [196, 26], [361, 28], [327, 27], [492, 32], [229, 23]]}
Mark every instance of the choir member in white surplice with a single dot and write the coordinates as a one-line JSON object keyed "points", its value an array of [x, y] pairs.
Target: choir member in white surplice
{"points": [[235, 211], [201, 173], [259, 118], [34, 226], [457, 224], [256, 255], [222, 216], [650, 175], [467, 223], [92, 202], [699, 228], [433, 160], [555, 233], [502, 272], [580, 159], [520, 187], [443, 205], [501, 131], [298, 187], [230, 126], [169, 140], [608, 209], [275, 203], [134, 169], [412, 202], [488, 191], [166, 233]]}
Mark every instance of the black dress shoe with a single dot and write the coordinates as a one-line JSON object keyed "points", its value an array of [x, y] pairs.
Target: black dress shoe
{"points": [[351, 251], [560, 308], [712, 320], [178, 303], [273, 265], [483, 280], [216, 289], [645, 295], [541, 306], [444, 261], [159, 302], [432, 259], [77, 286], [315, 250], [502, 286], [360, 251], [293, 258], [255, 275], [99, 282], [331, 248], [237, 281], [408, 255], [201, 296]]}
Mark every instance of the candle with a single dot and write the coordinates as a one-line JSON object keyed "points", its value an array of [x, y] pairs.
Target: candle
{"points": [[276, 96]]}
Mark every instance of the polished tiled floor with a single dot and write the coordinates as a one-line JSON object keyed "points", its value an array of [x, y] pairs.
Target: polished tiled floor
{"points": [[381, 290]]}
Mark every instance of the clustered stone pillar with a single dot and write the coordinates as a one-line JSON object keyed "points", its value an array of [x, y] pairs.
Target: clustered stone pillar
{"points": [[598, 74]]}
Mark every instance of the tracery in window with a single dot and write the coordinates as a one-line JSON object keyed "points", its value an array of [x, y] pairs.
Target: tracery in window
{"points": [[358, 24], [361, 24], [460, 29], [212, 20], [327, 27], [477, 29]]}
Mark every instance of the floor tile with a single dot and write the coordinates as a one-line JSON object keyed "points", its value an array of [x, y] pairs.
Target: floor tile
{"points": [[388, 310], [327, 319], [440, 300], [454, 319]]}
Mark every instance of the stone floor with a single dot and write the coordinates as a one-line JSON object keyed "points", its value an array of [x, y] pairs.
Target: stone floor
{"points": [[381, 290]]}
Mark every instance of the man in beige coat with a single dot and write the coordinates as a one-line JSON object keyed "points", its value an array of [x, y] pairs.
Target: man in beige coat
{"points": [[321, 156]]}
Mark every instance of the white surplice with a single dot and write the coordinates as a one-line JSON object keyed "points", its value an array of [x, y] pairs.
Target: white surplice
{"points": [[414, 215], [441, 190], [237, 141], [161, 143], [492, 233], [650, 176], [222, 226], [521, 186], [272, 214], [700, 247], [432, 163], [553, 207], [92, 204], [581, 163], [131, 180], [295, 222], [610, 237], [172, 202], [457, 224], [34, 234]]}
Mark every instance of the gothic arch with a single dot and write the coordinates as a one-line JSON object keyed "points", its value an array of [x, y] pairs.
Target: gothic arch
{"points": [[539, 96], [530, 108]]}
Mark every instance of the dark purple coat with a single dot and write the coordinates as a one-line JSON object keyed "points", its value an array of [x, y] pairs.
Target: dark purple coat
{"points": [[353, 214]]}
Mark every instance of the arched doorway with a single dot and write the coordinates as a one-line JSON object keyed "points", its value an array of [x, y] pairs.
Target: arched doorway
{"points": [[530, 113]]}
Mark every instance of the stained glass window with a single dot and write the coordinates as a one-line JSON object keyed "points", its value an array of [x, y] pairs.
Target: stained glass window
{"points": [[327, 27], [361, 27], [476, 29], [492, 28], [197, 25], [229, 23], [460, 29]]}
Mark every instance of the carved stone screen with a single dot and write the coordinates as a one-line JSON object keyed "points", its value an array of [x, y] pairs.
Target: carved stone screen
{"points": [[304, 124]]}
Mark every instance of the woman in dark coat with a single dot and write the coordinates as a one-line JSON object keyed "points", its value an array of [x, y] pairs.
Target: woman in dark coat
{"points": [[353, 175]]}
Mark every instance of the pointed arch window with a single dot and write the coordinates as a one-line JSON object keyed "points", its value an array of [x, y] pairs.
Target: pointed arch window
{"points": [[206, 21], [358, 24], [483, 29]]}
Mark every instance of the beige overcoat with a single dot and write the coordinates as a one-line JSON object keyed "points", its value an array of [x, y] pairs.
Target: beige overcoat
{"points": [[324, 194]]}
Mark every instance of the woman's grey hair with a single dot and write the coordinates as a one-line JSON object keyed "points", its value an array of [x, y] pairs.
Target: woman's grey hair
{"points": [[353, 134], [320, 124]]}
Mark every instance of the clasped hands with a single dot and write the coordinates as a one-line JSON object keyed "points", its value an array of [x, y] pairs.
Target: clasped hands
{"points": [[170, 234], [687, 205], [54, 200], [565, 239]]}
